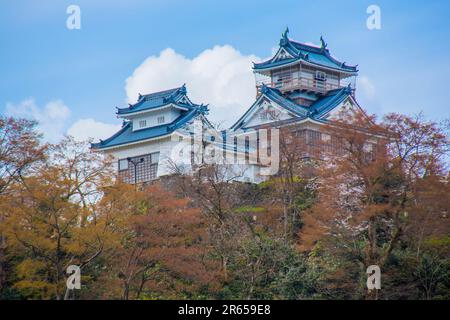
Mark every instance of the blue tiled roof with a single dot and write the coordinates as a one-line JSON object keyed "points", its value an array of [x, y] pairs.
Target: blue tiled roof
{"points": [[276, 96], [126, 134], [316, 111], [305, 95], [156, 100], [330, 101], [302, 52]]}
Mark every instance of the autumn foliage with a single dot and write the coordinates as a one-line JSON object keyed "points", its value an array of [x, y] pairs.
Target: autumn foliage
{"points": [[368, 192]]}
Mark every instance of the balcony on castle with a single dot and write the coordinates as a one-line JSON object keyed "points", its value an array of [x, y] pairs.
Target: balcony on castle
{"points": [[304, 82], [301, 67]]}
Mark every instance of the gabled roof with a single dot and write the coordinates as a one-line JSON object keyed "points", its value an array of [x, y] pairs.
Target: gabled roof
{"points": [[126, 135], [328, 102], [274, 95], [311, 96], [317, 111], [176, 96], [297, 51]]}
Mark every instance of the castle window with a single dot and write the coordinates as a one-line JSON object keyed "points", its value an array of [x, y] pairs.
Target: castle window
{"points": [[313, 137], [368, 147], [154, 158], [247, 149], [326, 137], [146, 168], [123, 164], [235, 145], [321, 76], [142, 123], [161, 119]]}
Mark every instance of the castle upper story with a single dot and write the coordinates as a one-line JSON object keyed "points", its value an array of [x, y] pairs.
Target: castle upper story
{"points": [[304, 72]]}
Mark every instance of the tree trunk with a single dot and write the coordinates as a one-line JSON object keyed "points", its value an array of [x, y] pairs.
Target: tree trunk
{"points": [[2, 263], [126, 291], [372, 245]]}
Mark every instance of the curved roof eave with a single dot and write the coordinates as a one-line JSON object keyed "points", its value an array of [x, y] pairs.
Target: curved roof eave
{"points": [[270, 95], [295, 48], [269, 67], [164, 106], [126, 144]]}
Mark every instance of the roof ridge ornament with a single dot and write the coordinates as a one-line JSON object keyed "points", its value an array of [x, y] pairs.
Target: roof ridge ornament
{"points": [[323, 44], [264, 88], [348, 89], [174, 93], [204, 109], [285, 33], [284, 37]]}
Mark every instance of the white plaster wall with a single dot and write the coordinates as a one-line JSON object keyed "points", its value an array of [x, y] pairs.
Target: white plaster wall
{"points": [[345, 105], [165, 147], [307, 74], [175, 155], [333, 81], [152, 118], [256, 120]]}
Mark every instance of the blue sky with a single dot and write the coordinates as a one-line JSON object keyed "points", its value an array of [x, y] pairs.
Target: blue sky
{"points": [[60, 76]]}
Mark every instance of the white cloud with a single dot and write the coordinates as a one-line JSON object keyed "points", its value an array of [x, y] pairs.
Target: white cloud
{"points": [[85, 129], [366, 86], [51, 118], [52, 121], [221, 77]]}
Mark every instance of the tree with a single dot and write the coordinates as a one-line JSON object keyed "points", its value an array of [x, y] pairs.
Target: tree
{"points": [[256, 260], [213, 189], [50, 221], [20, 149], [367, 183], [293, 186], [264, 266], [161, 246]]}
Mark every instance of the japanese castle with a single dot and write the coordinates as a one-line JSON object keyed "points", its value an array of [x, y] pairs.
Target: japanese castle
{"points": [[302, 85]]}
